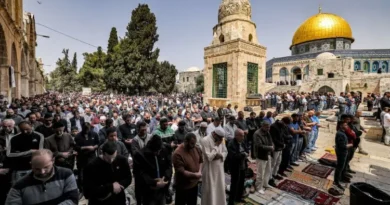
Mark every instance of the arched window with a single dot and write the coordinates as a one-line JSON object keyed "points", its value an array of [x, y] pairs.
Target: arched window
{"points": [[357, 66], [366, 67], [222, 38], [385, 66], [375, 66], [283, 73], [250, 38]]}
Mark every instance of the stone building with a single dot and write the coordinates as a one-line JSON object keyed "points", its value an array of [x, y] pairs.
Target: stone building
{"points": [[323, 60], [187, 80], [235, 61], [17, 50]]}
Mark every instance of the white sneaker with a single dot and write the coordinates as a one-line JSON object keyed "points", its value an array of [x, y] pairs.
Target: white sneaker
{"points": [[261, 191]]}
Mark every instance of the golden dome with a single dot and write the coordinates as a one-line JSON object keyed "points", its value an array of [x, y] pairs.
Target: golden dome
{"points": [[322, 26]]}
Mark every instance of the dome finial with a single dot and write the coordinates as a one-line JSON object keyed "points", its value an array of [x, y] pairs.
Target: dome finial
{"points": [[319, 9]]}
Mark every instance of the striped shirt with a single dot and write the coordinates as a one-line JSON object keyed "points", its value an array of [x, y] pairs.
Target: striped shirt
{"points": [[60, 189]]}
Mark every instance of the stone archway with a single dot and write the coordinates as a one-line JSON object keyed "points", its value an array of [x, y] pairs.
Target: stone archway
{"points": [[4, 79], [283, 74], [326, 89], [297, 74]]}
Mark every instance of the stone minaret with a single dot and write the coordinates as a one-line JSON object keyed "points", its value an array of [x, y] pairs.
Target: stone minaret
{"points": [[235, 61]]}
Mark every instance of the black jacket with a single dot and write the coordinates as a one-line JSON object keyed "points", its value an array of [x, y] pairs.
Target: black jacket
{"points": [[280, 135], [236, 158], [263, 144], [145, 169], [99, 177], [73, 121]]}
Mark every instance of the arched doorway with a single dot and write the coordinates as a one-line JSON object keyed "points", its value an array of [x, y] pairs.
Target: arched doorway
{"points": [[297, 73], [366, 67], [326, 89], [14, 64], [283, 74]]}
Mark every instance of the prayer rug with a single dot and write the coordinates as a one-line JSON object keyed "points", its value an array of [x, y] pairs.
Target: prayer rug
{"points": [[287, 199], [328, 160], [253, 166], [311, 180], [249, 201], [318, 170], [307, 192]]}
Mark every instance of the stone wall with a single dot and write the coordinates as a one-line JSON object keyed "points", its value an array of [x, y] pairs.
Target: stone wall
{"points": [[187, 81], [17, 49]]}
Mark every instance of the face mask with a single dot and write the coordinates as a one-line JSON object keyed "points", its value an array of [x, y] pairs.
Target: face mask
{"points": [[147, 121]]}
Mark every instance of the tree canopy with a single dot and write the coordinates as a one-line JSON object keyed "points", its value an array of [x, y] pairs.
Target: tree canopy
{"points": [[130, 65]]}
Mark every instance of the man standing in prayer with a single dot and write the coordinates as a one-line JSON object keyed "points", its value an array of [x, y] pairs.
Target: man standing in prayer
{"points": [[187, 160], [237, 155], [200, 133], [213, 176], [264, 147], [107, 177]]}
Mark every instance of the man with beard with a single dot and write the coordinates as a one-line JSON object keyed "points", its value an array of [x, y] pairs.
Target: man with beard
{"points": [[32, 118], [166, 133], [237, 155], [87, 142], [213, 177], [152, 171], [180, 133], [61, 144], [77, 121], [41, 186], [8, 130], [187, 160], [128, 131], [21, 146], [112, 136], [11, 115], [46, 129], [281, 139], [252, 127], [200, 133], [107, 177], [57, 118], [141, 139]]}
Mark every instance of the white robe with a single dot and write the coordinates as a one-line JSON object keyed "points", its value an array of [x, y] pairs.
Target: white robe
{"points": [[213, 175]]}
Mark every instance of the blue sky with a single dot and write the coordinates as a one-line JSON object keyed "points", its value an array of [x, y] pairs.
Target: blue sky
{"points": [[185, 26]]}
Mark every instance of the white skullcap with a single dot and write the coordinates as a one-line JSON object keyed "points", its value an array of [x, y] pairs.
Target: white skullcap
{"points": [[103, 117], [203, 124], [220, 131]]}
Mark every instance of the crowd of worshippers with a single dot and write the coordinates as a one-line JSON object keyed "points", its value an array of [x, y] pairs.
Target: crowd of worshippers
{"points": [[347, 102], [163, 147]]}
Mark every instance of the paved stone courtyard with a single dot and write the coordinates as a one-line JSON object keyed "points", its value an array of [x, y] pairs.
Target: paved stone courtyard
{"points": [[373, 168]]}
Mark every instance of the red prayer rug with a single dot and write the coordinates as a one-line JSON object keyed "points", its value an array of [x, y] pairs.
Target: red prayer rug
{"points": [[318, 170], [328, 160], [307, 192]]}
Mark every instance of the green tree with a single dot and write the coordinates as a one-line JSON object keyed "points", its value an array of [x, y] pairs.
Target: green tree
{"points": [[92, 72], [112, 41], [74, 62], [138, 58], [109, 64], [63, 78], [200, 83], [165, 78]]}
